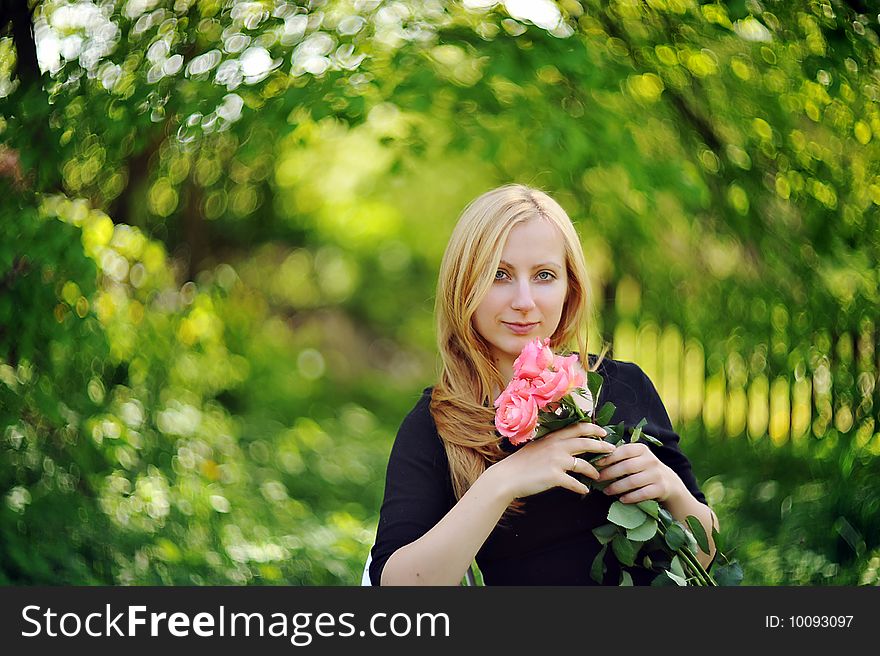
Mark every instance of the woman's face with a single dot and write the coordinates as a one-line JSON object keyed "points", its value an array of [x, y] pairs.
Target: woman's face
{"points": [[527, 296]]}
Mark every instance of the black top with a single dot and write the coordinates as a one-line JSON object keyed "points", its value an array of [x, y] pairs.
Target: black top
{"points": [[551, 542]]}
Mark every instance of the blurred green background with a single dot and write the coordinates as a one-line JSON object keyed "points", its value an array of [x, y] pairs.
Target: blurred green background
{"points": [[221, 224]]}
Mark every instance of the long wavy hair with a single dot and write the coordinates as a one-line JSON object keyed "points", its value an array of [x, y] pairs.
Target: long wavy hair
{"points": [[461, 402]]}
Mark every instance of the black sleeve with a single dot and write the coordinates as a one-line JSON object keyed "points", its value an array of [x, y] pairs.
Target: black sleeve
{"points": [[418, 489], [649, 406]]}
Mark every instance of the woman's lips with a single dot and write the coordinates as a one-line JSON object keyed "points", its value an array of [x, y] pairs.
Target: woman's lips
{"points": [[520, 329]]}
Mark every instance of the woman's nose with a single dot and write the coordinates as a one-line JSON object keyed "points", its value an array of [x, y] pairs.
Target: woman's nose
{"points": [[523, 300]]}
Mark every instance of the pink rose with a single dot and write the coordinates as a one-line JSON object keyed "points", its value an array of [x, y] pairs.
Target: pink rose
{"points": [[535, 357], [577, 377], [551, 386], [516, 416], [555, 382]]}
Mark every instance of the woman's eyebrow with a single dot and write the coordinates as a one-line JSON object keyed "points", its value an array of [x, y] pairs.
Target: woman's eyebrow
{"points": [[537, 266]]}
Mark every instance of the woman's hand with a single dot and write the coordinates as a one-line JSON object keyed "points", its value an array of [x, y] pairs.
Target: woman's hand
{"points": [[639, 475], [545, 463]]}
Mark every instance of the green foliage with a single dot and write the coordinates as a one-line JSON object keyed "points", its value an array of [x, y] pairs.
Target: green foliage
{"points": [[778, 508], [649, 535], [53, 355], [147, 454]]}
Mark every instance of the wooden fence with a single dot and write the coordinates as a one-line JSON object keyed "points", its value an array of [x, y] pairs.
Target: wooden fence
{"points": [[826, 389]]}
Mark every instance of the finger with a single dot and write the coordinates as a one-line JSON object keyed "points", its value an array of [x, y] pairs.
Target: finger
{"points": [[582, 429], [571, 483], [585, 468], [623, 452], [642, 494], [590, 445], [621, 469], [629, 483]]}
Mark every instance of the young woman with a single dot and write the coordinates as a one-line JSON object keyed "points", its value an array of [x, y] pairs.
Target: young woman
{"points": [[514, 271]]}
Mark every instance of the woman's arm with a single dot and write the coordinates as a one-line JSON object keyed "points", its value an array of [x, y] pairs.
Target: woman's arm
{"points": [[442, 555], [681, 504]]}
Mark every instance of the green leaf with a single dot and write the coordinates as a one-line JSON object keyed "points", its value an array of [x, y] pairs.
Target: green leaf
{"points": [[637, 431], [571, 406], [597, 570], [717, 539], [665, 517], [731, 574], [691, 540], [651, 440], [699, 533], [550, 425], [678, 579], [644, 532], [594, 384], [651, 507], [675, 537], [626, 515], [605, 413], [557, 422], [541, 432], [625, 579], [624, 550], [663, 579], [605, 533], [677, 568]]}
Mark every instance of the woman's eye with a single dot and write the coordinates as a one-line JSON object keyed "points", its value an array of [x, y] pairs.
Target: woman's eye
{"points": [[545, 275], [499, 275]]}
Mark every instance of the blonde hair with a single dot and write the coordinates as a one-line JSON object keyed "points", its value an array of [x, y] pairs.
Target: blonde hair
{"points": [[461, 402]]}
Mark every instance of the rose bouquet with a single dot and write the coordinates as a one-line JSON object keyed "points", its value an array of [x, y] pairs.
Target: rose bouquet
{"points": [[550, 391]]}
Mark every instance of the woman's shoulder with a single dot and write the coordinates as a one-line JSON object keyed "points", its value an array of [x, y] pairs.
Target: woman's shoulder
{"points": [[418, 430], [420, 414]]}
